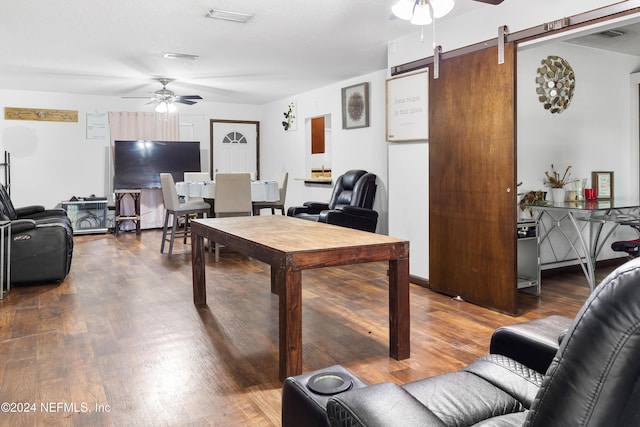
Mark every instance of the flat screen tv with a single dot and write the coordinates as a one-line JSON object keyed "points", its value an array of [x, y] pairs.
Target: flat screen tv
{"points": [[138, 164]]}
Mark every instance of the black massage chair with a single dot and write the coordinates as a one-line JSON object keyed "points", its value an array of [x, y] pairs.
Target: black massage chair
{"points": [[41, 242]]}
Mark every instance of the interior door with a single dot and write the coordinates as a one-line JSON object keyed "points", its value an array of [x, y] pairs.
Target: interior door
{"points": [[472, 179], [234, 146]]}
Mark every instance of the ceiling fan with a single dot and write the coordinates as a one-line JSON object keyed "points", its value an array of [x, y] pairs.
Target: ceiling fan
{"points": [[423, 12], [165, 98]]}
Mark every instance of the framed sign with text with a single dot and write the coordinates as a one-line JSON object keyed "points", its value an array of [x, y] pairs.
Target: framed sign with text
{"points": [[603, 184], [408, 108]]}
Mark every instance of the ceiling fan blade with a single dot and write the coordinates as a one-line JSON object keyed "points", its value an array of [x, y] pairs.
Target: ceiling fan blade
{"points": [[185, 101], [166, 95], [493, 2]]}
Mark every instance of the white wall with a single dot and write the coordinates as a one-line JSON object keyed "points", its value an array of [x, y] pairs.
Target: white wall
{"points": [[593, 134], [52, 161], [409, 201], [363, 148]]}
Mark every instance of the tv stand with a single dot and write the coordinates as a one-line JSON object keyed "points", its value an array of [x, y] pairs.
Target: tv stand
{"points": [[87, 216], [135, 196]]}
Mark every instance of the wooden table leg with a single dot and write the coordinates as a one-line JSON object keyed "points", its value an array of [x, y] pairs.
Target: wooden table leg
{"points": [[117, 213], [399, 316], [136, 204], [274, 279], [290, 313], [197, 267]]}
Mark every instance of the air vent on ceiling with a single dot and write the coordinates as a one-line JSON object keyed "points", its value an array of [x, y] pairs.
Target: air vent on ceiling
{"points": [[170, 55], [226, 15], [610, 34]]}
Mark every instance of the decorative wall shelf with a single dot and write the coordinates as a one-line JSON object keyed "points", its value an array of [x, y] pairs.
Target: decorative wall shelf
{"points": [[40, 114], [323, 181]]}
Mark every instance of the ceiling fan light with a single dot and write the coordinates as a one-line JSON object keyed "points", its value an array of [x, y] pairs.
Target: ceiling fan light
{"points": [[403, 9], [161, 107], [421, 14], [442, 7], [165, 107]]}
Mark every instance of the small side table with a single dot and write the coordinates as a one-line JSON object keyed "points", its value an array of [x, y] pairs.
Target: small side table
{"points": [[87, 216], [5, 258], [135, 196]]}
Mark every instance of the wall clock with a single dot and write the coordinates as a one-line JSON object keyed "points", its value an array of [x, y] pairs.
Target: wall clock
{"points": [[556, 83]]}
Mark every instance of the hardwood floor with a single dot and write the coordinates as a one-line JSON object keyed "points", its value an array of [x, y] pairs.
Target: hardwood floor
{"points": [[120, 342]]}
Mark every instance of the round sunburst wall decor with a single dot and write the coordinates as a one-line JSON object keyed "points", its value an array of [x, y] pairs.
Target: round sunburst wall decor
{"points": [[556, 83]]}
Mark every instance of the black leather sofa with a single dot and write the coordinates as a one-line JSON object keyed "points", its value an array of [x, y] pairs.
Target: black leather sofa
{"points": [[592, 380], [41, 242], [351, 203]]}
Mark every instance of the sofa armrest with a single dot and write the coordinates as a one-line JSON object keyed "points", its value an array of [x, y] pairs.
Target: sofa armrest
{"points": [[22, 225], [28, 210], [351, 217], [39, 212], [316, 206], [380, 405], [533, 343], [40, 254], [355, 210], [312, 208]]}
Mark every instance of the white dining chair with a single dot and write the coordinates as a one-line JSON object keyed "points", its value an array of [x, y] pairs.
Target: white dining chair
{"points": [[282, 179], [173, 207], [195, 177], [232, 198]]}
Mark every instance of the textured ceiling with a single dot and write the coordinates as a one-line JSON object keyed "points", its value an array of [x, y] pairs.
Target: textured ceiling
{"points": [[621, 39], [116, 47]]}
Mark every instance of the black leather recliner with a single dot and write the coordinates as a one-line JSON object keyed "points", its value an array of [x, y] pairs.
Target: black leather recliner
{"points": [[41, 242], [351, 203], [593, 380], [35, 212]]}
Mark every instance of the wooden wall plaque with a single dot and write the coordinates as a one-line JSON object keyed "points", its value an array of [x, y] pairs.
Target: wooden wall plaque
{"points": [[40, 114]]}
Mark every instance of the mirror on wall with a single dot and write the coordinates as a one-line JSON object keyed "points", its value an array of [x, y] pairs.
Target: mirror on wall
{"points": [[318, 147]]}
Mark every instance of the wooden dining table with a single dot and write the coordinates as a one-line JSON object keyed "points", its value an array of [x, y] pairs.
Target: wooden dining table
{"points": [[290, 245]]}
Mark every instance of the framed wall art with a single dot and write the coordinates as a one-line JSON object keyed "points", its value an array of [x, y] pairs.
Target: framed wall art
{"points": [[408, 108], [603, 184], [290, 121], [355, 106]]}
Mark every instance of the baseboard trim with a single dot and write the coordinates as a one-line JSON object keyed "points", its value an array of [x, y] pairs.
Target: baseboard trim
{"points": [[420, 281]]}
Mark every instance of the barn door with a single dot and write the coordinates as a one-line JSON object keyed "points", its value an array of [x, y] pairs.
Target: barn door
{"points": [[472, 178]]}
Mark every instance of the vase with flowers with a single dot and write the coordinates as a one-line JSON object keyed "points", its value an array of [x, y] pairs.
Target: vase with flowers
{"points": [[557, 182]]}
